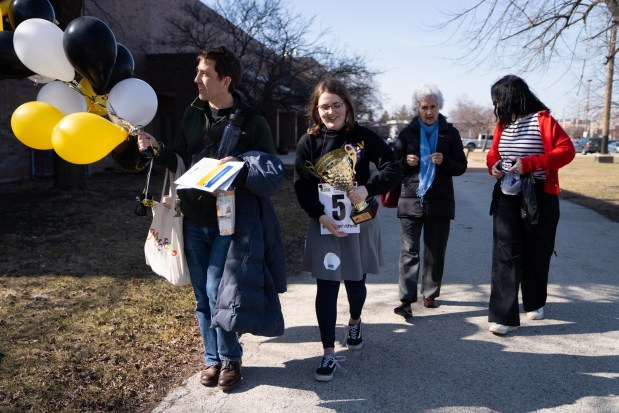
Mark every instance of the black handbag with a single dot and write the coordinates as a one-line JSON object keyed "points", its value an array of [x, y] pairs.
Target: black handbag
{"points": [[530, 211]]}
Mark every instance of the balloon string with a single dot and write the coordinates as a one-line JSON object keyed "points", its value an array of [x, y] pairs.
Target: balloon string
{"points": [[122, 122], [76, 86], [110, 109]]}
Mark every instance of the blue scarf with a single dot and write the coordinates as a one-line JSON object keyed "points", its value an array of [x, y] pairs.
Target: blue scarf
{"points": [[427, 170]]}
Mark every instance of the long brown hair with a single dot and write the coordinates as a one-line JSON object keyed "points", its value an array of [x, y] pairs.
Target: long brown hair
{"points": [[337, 88]]}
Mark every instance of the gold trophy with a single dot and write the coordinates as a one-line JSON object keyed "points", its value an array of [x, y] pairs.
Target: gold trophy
{"points": [[337, 168]]}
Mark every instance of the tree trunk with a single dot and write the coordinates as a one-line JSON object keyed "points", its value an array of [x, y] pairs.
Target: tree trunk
{"points": [[67, 175], [67, 10], [610, 70]]}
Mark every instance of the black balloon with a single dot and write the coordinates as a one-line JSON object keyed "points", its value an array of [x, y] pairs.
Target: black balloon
{"points": [[20, 10], [6, 23], [10, 65], [90, 47], [123, 68]]}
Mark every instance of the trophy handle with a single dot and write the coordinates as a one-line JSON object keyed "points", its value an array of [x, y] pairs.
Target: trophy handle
{"points": [[352, 154], [311, 169]]}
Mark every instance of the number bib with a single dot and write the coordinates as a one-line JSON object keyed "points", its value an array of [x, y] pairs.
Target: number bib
{"points": [[338, 207]]}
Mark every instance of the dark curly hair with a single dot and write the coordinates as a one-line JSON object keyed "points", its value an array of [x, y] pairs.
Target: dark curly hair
{"points": [[511, 97]]}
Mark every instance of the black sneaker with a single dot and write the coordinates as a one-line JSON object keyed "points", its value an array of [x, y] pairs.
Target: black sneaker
{"points": [[327, 366], [354, 340], [404, 310]]}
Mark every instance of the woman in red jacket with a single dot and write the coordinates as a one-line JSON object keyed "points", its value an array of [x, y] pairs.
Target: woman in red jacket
{"points": [[528, 149]]}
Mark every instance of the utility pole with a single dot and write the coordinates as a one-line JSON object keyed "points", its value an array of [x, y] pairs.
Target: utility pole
{"points": [[578, 117], [587, 123], [610, 68]]}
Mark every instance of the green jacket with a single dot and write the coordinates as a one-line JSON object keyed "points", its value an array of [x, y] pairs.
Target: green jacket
{"points": [[199, 137]]}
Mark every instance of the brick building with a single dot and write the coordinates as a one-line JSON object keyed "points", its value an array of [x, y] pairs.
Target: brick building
{"points": [[140, 25]]}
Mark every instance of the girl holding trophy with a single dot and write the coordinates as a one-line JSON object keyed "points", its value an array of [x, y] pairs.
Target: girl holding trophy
{"points": [[334, 186]]}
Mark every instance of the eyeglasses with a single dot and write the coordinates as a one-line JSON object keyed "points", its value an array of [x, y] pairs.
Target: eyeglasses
{"points": [[335, 106]]}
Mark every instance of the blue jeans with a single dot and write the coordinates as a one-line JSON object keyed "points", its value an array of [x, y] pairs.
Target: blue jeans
{"points": [[206, 251]]}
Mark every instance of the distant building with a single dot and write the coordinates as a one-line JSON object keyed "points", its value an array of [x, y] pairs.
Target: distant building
{"points": [[582, 128], [138, 24], [395, 127]]}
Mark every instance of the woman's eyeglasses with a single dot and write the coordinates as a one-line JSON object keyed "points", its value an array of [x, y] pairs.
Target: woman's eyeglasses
{"points": [[335, 106]]}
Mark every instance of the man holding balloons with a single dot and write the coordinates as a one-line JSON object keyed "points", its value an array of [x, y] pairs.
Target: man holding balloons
{"points": [[211, 256]]}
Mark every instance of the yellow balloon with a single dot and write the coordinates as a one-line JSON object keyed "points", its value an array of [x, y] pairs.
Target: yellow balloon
{"points": [[96, 104], [33, 123], [4, 7], [83, 138]]}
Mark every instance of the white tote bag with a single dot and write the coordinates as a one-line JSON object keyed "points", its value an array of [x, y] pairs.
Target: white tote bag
{"points": [[163, 248]]}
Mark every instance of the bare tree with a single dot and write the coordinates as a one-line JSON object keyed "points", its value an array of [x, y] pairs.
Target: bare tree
{"points": [[67, 175], [404, 113], [471, 119], [534, 34], [384, 117], [281, 63]]}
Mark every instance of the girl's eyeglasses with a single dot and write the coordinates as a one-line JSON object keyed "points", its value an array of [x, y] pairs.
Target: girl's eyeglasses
{"points": [[335, 106]]}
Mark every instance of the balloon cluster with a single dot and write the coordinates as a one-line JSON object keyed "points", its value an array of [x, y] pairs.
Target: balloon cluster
{"points": [[81, 120]]}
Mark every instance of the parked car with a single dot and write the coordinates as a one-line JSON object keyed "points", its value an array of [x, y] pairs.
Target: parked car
{"points": [[591, 145], [613, 147], [473, 143], [579, 144]]}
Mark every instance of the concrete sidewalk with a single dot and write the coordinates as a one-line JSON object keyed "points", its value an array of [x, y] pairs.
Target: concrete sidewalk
{"points": [[445, 360]]}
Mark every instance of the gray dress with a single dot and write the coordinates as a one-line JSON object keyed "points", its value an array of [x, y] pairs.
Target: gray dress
{"points": [[347, 258]]}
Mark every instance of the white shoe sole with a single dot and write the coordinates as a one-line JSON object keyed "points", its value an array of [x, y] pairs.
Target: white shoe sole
{"points": [[501, 329], [323, 377], [536, 315], [355, 347]]}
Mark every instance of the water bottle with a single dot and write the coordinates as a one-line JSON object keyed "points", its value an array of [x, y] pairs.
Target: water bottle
{"points": [[231, 135]]}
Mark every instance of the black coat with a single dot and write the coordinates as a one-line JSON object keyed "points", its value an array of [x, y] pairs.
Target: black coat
{"points": [[371, 149], [439, 199], [199, 137], [254, 274]]}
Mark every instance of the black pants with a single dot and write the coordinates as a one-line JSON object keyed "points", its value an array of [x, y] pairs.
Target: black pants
{"points": [[326, 305], [435, 236], [521, 255]]}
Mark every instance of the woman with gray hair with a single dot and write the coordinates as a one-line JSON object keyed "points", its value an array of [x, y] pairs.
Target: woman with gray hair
{"points": [[430, 152]]}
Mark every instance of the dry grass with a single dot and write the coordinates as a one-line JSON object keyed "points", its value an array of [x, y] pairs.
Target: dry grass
{"points": [[584, 181], [85, 326], [599, 182]]}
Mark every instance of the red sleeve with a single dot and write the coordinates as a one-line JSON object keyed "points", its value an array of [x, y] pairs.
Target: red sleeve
{"points": [[493, 155], [558, 147]]}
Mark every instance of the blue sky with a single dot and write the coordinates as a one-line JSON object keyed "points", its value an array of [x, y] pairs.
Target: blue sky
{"points": [[397, 38]]}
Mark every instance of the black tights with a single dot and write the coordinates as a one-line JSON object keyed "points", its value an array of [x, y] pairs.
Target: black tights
{"points": [[326, 305]]}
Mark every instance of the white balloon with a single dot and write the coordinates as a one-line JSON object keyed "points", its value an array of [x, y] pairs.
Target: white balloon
{"points": [[133, 100], [38, 44], [62, 97]]}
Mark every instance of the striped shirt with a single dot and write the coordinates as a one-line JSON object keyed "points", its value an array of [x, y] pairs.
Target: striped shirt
{"points": [[522, 138]]}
